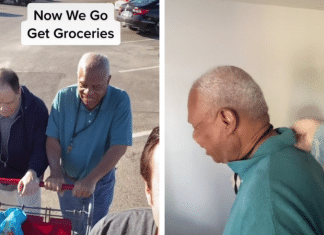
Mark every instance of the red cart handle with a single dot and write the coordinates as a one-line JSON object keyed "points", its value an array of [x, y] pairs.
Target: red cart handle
{"points": [[41, 183]]}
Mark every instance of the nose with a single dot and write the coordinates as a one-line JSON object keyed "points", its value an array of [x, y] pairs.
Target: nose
{"points": [[88, 92]]}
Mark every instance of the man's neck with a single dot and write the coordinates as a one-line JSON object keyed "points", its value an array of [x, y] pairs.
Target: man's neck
{"points": [[257, 139]]}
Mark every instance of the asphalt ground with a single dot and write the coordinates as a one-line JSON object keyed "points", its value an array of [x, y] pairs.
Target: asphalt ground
{"points": [[134, 68]]}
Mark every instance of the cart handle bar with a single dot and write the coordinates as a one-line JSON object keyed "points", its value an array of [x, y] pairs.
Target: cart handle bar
{"points": [[41, 183]]}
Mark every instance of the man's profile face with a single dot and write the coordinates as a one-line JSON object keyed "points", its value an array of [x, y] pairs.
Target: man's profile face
{"points": [[92, 86], [207, 131], [9, 101]]}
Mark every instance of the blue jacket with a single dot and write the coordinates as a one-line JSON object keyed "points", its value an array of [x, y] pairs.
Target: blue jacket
{"points": [[26, 145]]}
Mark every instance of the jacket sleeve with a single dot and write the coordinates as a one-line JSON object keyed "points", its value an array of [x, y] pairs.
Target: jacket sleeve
{"points": [[38, 161]]}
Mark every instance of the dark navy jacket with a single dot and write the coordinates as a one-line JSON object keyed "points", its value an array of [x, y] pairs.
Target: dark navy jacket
{"points": [[27, 139]]}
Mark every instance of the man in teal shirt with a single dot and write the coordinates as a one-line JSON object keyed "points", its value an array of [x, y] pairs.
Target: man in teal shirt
{"points": [[281, 187], [89, 129]]}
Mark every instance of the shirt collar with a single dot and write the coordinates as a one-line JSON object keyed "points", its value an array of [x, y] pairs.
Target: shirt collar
{"points": [[285, 138]]}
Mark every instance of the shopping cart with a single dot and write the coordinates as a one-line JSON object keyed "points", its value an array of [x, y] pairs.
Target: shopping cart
{"points": [[49, 221]]}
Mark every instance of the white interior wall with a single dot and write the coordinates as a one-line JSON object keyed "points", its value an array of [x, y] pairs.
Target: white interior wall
{"points": [[282, 48]]}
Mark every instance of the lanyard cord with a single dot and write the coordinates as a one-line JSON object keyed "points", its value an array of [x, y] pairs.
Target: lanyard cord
{"points": [[76, 121], [249, 153]]}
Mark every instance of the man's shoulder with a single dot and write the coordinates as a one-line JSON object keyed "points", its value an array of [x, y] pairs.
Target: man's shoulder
{"points": [[133, 221], [137, 215], [66, 94], [116, 98], [294, 160], [284, 157], [134, 213], [32, 102], [117, 93], [296, 171], [69, 90]]}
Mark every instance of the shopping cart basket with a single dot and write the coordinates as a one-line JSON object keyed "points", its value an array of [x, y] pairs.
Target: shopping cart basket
{"points": [[48, 221]]}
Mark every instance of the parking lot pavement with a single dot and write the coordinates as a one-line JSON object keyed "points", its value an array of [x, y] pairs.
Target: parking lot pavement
{"points": [[47, 69]]}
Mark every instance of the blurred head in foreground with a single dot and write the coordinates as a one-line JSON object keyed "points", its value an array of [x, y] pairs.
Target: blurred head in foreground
{"points": [[150, 171]]}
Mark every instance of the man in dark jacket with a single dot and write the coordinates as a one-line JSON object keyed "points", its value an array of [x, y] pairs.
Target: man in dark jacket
{"points": [[23, 121]]}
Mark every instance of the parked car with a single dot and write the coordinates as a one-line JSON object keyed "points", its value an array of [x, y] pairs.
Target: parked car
{"points": [[18, 2], [118, 3], [143, 15]]}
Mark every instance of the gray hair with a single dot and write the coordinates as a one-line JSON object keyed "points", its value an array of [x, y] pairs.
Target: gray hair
{"points": [[231, 87], [92, 60]]}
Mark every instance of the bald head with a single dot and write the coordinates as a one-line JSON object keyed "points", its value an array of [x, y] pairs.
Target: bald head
{"points": [[231, 87], [93, 61]]}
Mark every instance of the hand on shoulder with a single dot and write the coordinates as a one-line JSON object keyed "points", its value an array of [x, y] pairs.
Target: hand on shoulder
{"points": [[305, 130]]}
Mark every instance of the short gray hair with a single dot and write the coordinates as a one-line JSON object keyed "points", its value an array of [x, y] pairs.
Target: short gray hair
{"points": [[92, 60], [231, 87]]}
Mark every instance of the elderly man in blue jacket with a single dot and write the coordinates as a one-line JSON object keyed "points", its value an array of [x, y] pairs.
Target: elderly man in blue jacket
{"points": [[23, 121]]}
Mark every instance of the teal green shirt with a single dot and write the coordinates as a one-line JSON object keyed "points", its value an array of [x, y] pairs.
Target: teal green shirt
{"points": [[281, 192], [113, 126]]}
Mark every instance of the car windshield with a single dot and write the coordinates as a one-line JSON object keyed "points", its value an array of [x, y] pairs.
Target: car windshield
{"points": [[142, 2]]}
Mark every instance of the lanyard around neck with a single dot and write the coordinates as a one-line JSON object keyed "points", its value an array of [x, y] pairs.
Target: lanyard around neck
{"points": [[83, 129], [249, 153]]}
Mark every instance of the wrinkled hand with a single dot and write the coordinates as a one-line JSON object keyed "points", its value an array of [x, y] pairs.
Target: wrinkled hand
{"points": [[54, 183], [29, 184], [305, 130], [84, 188]]}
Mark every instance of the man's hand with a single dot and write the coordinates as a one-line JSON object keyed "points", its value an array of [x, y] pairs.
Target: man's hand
{"points": [[29, 184], [54, 182], [305, 130], [84, 188]]}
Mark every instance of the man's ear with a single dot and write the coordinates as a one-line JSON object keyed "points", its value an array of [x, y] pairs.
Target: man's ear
{"points": [[229, 118], [108, 81], [148, 194]]}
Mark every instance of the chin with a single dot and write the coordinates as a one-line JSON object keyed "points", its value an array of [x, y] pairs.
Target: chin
{"points": [[89, 103], [5, 114], [218, 160]]}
